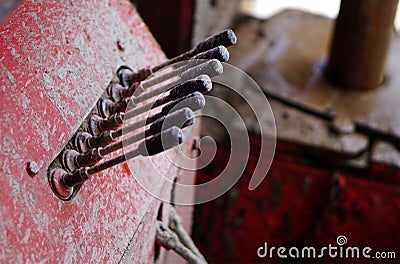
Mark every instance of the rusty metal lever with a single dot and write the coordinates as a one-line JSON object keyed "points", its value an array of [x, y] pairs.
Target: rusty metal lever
{"points": [[106, 107], [84, 141], [63, 183], [225, 38], [117, 92], [73, 160]]}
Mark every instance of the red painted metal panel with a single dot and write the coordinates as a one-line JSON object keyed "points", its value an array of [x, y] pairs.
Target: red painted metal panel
{"points": [[298, 204], [56, 59]]}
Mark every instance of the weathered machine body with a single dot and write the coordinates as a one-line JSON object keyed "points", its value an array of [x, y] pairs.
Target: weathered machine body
{"points": [[56, 60]]}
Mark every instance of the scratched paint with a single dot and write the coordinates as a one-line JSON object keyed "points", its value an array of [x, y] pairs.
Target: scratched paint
{"points": [[56, 59], [301, 204]]}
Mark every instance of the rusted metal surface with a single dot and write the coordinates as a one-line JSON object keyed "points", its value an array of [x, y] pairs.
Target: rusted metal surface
{"points": [[288, 60], [362, 35], [386, 154], [296, 126], [335, 170], [56, 60], [301, 203]]}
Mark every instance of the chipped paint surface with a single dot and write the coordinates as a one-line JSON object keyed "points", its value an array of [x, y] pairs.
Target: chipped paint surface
{"points": [[56, 59]]}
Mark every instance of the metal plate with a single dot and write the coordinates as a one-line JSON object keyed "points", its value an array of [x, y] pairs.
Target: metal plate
{"points": [[56, 59]]}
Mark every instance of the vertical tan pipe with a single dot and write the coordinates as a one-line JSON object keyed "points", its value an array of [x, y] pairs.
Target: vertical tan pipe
{"points": [[363, 32]]}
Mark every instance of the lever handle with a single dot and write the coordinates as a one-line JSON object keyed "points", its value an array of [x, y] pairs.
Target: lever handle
{"points": [[211, 68], [225, 38], [220, 53], [72, 160], [181, 118], [202, 80], [201, 84], [194, 101], [127, 77], [161, 142]]}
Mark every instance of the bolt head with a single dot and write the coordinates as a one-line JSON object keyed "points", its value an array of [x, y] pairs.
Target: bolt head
{"points": [[32, 168]]}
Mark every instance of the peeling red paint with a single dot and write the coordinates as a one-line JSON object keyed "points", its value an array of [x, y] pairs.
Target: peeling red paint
{"points": [[56, 59], [299, 204]]}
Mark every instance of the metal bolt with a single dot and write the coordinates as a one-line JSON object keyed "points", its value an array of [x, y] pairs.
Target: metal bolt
{"points": [[32, 168]]}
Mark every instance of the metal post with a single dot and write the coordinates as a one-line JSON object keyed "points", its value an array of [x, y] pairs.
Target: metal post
{"points": [[363, 32]]}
